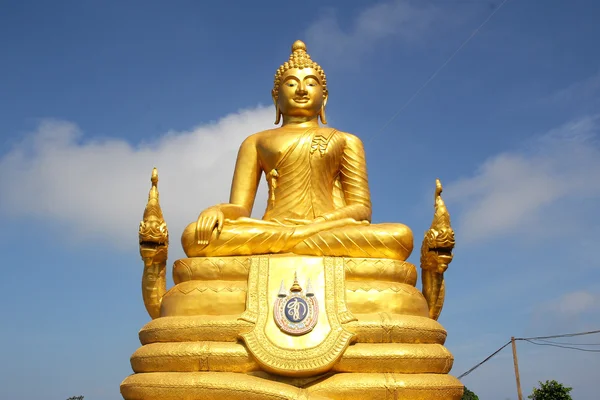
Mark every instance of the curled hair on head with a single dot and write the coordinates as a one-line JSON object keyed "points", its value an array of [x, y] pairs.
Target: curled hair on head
{"points": [[298, 59]]}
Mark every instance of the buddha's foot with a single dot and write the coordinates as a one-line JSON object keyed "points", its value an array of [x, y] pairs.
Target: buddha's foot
{"points": [[239, 386], [302, 232]]}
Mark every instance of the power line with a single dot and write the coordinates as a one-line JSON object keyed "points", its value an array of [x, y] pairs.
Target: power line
{"points": [[569, 343], [432, 77], [536, 339], [562, 335], [561, 346], [484, 361]]}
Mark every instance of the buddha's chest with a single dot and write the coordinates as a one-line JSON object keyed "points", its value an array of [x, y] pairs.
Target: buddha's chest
{"points": [[288, 149]]}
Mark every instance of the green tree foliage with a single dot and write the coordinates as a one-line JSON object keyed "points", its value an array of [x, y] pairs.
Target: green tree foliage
{"points": [[468, 395], [551, 390]]}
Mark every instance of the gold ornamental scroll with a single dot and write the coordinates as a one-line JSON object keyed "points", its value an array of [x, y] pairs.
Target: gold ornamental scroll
{"points": [[304, 355]]}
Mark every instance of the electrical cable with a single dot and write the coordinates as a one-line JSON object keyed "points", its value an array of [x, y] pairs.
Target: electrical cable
{"points": [[484, 361], [432, 77], [534, 340], [569, 343], [563, 347], [562, 335]]}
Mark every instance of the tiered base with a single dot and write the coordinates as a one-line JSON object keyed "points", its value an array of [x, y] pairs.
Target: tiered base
{"points": [[198, 348], [238, 386]]}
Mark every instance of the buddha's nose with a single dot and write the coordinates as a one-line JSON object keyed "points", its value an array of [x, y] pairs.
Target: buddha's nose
{"points": [[301, 90]]}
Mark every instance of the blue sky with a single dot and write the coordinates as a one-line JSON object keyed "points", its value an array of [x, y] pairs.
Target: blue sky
{"points": [[93, 96]]}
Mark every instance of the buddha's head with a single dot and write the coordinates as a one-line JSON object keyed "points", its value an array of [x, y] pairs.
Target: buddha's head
{"points": [[300, 88]]}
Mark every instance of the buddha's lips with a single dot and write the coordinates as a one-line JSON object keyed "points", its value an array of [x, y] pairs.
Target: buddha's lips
{"points": [[302, 100]]}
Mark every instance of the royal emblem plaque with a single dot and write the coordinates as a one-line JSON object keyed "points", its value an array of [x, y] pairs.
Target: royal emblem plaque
{"points": [[296, 312]]}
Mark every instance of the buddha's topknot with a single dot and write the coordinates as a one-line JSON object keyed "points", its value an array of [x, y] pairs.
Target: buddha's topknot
{"points": [[298, 59]]}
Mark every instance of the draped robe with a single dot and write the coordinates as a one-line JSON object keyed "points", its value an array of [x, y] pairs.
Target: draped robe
{"points": [[321, 174]]}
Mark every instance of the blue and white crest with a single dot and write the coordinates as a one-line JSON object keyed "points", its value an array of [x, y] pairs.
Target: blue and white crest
{"points": [[295, 312]]}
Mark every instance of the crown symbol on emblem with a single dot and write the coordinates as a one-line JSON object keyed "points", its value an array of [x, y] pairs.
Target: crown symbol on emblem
{"points": [[296, 288]]}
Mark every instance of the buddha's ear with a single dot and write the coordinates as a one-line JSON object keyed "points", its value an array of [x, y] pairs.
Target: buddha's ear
{"points": [[277, 112], [322, 112]]}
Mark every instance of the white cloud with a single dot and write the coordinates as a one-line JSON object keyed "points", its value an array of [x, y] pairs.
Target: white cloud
{"points": [[100, 188], [403, 19], [578, 91], [526, 190], [577, 303], [577, 309]]}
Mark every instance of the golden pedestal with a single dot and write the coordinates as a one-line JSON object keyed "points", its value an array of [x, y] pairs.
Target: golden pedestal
{"points": [[216, 337]]}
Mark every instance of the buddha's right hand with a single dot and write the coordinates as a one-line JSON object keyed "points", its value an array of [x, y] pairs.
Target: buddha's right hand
{"points": [[207, 221]]}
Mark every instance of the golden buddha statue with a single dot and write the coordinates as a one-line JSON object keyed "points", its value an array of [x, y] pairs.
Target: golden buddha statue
{"points": [[319, 201], [310, 302]]}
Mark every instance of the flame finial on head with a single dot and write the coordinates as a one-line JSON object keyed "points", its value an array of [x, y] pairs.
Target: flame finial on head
{"points": [[154, 177], [299, 45]]}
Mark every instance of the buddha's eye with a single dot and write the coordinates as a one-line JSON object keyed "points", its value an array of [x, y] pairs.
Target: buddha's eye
{"points": [[291, 84]]}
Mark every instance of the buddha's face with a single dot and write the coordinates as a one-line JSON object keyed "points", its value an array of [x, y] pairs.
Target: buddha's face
{"points": [[301, 93]]}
